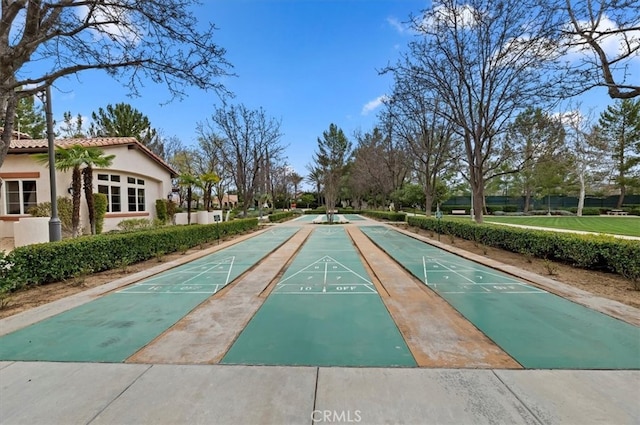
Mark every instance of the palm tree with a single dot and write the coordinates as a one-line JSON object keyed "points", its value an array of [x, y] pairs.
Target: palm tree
{"points": [[70, 158], [75, 158], [188, 180], [315, 177], [296, 179], [93, 157]]}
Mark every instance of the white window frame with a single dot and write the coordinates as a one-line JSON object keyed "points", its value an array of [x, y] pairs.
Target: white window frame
{"points": [[110, 183], [138, 186], [20, 194]]}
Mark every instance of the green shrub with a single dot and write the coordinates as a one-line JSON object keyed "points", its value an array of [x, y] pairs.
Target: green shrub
{"points": [[55, 261], [492, 209], [100, 210], [594, 252], [161, 210], [134, 224], [510, 208], [172, 209], [586, 211], [386, 215], [446, 209], [279, 216], [65, 211]]}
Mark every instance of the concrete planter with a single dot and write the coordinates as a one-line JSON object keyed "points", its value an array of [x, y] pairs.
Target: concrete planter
{"points": [[30, 230]]}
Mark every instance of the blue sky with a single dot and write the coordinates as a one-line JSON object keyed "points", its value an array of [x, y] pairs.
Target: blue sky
{"points": [[308, 63]]}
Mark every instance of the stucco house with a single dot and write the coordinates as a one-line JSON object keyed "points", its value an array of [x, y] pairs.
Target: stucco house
{"points": [[133, 183]]}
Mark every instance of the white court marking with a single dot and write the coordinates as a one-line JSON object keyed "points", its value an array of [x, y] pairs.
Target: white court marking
{"points": [[150, 283], [323, 268], [501, 287]]}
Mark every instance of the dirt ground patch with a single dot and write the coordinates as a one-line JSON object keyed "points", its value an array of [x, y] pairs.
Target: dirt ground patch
{"points": [[604, 285]]}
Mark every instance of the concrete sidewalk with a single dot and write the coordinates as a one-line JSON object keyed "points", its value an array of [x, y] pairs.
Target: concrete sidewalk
{"points": [[115, 393], [84, 393]]}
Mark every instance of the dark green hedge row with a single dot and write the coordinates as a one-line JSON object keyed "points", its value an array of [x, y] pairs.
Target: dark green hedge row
{"points": [[586, 251], [51, 262], [340, 211], [386, 215], [279, 216]]}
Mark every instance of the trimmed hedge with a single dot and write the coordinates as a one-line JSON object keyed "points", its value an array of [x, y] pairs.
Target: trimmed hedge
{"points": [[100, 203], [55, 261], [592, 252], [586, 211], [386, 215], [279, 216]]}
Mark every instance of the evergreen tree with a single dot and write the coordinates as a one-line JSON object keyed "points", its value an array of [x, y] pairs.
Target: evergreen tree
{"points": [[72, 127], [123, 120], [537, 140], [620, 127], [30, 118], [333, 150]]}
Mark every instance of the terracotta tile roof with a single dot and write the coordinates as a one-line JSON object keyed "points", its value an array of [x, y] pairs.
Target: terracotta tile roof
{"points": [[41, 145]]}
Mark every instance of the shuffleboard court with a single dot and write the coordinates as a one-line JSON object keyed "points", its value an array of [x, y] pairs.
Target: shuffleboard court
{"points": [[305, 218], [324, 311], [538, 329], [113, 327]]}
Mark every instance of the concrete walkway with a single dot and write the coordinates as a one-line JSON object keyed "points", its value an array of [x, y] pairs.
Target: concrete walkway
{"points": [[153, 393], [84, 393]]}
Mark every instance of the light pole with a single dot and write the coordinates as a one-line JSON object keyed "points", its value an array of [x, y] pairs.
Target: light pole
{"points": [[55, 226]]}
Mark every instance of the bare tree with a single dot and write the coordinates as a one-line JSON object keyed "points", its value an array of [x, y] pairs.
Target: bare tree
{"points": [[415, 118], [380, 164], [483, 61], [604, 33], [212, 162], [131, 40], [588, 150], [250, 139]]}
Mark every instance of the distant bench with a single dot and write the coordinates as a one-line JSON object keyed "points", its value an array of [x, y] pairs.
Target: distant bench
{"points": [[458, 211], [617, 212]]}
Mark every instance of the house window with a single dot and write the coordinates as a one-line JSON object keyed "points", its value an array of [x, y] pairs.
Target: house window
{"points": [[135, 194], [109, 185], [20, 195]]}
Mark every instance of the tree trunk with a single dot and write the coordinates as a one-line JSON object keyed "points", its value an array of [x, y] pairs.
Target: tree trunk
{"points": [[527, 200], [623, 192], [189, 205], [76, 187], [582, 194], [87, 177], [478, 201], [477, 191], [428, 203]]}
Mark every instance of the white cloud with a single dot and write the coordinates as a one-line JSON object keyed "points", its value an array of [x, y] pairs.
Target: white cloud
{"points": [[373, 104], [451, 17], [612, 43], [572, 118], [397, 25], [101, 19]]}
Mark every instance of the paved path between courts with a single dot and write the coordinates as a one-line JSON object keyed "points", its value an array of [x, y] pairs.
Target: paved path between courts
{"points": [[117, 393]]}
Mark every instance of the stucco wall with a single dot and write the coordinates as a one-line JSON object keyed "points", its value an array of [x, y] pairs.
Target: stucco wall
{"points": [[127, 163]]}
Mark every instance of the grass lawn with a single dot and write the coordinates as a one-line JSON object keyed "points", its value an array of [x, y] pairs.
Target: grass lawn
{"points": [[629, 226]]}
